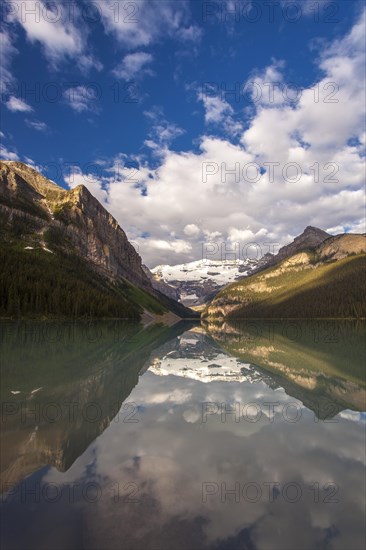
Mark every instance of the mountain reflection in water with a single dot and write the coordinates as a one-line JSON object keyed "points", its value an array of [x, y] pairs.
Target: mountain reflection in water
{"points": [[235, 436]]}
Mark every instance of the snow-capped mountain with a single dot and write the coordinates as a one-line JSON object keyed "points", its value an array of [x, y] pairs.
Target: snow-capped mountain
{"points": [[199, 281]]}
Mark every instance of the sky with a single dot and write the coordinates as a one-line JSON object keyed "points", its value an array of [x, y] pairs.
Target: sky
{"points": [[208, 129]]}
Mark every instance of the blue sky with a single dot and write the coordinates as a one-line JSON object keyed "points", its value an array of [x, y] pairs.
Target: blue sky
{"points": [[129, 99]]}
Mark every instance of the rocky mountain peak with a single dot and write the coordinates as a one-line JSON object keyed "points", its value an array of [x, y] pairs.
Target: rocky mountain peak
{"points": [[309, 238], [42, 185], [311, 230]]}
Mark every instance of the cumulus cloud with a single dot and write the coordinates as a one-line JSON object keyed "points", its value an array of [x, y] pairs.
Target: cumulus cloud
{"points": [[266, 87]]}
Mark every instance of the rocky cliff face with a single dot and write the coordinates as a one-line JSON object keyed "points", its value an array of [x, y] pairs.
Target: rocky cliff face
{"points": [[74, 216]]}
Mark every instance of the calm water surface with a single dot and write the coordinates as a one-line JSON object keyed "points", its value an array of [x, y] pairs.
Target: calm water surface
{"points": [[247, 436]]}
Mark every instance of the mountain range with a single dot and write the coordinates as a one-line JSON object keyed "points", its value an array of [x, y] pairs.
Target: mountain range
{"points": [[64, 255], [198, 283]]}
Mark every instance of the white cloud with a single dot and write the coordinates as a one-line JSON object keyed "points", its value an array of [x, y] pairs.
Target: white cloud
{"points": [[60, 31], [145, 22], [219, 112], [7, 52], [191, 230], [15, 104], [37, 125], [162, 132], [245, 235], [5, 154], [216, 108], [176, 247], [82, 98], [266, 87], [134, 66], [88, 62]]}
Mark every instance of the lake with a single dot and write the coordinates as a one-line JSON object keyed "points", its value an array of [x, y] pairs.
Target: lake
{"points": [[242, 436]]}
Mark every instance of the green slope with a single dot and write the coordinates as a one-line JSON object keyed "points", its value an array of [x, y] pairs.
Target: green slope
{"points": [[36, 283], [331, 290]]}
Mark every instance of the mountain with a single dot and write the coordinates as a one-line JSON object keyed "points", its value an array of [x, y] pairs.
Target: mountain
{"points": [[197, 282], [324, 281], [63, 254]]}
